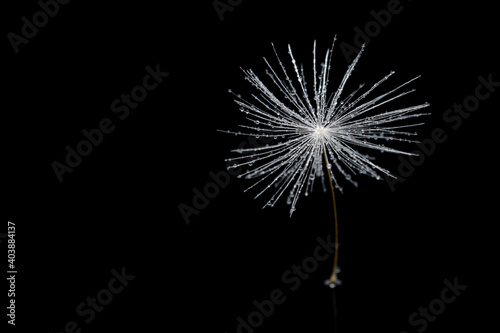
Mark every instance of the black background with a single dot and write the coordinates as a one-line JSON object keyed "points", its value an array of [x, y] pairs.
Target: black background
{"points": [[120, 206]]}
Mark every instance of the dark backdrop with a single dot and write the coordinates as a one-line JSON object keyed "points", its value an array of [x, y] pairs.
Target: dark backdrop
{"points": [[120, 207]]}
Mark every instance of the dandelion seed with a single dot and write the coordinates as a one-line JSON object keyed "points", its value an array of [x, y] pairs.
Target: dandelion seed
{"points": [[317, 124]]}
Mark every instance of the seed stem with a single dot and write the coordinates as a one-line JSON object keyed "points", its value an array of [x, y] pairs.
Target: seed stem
{"points": [[333, 277]]}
